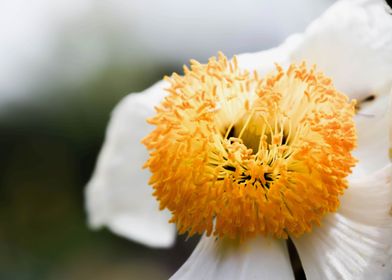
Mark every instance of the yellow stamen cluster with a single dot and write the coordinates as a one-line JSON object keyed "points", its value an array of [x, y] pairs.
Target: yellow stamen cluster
{"points": [[235, 155]]}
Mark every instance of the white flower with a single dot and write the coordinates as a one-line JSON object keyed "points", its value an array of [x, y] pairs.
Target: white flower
{"points": [[351, 42]]}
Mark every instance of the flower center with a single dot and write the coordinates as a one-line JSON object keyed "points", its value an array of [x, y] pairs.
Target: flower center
{"points": [[236, 155]]}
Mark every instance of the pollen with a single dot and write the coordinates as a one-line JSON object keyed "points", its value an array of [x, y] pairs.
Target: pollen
{"points": [[236, 155]]}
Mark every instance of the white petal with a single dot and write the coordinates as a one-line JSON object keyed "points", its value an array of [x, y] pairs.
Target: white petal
{"points": [[368, 200], [260, 258], [356, 242], [352, 43], [118, 195], [372, 130], [264, 61]]}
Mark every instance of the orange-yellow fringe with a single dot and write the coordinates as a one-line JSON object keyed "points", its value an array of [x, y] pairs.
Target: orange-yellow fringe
{"points": [[234, 155]]}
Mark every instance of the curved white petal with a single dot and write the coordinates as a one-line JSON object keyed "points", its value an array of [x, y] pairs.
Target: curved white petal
{"points": [[352, 43], [118, 195], [264, 61], [372, 124], [356, 242], [217, 259], [368, 200]]}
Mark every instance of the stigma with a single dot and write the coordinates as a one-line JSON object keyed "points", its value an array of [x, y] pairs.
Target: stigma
{"points": [[237, 155]]}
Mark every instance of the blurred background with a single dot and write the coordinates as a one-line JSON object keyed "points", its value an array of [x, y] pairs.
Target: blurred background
{"points": [[63, 66]]}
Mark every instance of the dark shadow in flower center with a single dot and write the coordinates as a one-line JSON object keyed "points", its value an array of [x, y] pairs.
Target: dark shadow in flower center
{"points": [[251, 144]]}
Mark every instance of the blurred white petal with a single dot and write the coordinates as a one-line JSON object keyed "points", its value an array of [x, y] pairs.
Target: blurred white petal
{"points": [[356, 242], [118, 195], [368, 200], [264, 61], [259, 258], [372, 131], [352, 43]]}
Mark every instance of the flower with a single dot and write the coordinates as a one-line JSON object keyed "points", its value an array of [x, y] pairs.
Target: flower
{"points": [[351, 42]]}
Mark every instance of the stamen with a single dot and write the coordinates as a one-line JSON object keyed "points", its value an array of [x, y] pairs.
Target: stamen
{"points": [[235, 155]]}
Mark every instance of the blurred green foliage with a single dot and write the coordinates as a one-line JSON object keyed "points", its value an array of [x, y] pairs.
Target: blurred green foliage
{"points": [[48, 148]]}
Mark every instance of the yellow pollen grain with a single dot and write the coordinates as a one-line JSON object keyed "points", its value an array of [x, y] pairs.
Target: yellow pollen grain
{"points": [[235, 155]]}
